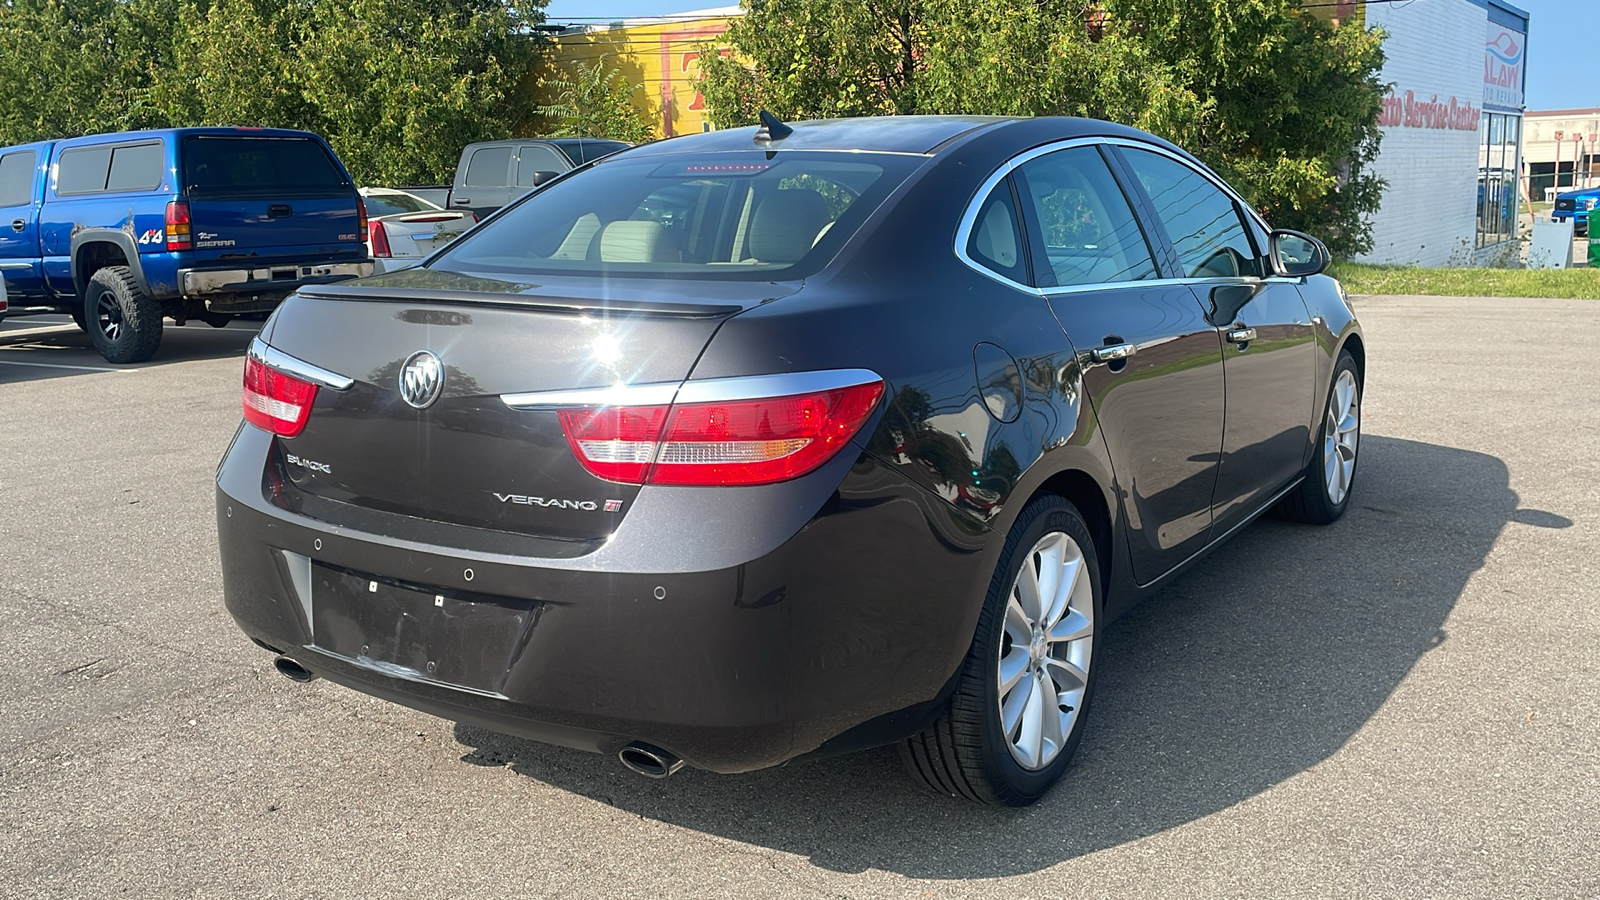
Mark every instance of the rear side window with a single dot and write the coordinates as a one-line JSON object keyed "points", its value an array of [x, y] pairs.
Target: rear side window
{"points": [[537, 158], [83, 170], [731, 216], [1201, 220], [255, 166], [1090, 233], [488, 167], [16, 178], [136, 167], [996, 239]]}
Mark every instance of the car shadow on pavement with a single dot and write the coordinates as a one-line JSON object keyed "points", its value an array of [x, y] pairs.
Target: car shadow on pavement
{"points": [[1253, 667], [33, 349]]}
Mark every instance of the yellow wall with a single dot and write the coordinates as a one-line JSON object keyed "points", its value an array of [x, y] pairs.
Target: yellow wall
{"points": [[663, 57], [1339, 12]]}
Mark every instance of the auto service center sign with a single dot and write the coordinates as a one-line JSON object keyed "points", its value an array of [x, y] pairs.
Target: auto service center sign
{"points": [[1503, 58]]}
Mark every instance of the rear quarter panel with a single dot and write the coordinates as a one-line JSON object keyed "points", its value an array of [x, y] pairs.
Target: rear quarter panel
{"points": [[140, 215]]}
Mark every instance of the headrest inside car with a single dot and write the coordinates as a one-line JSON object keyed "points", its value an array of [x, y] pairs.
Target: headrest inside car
{"points": [[786, 225]]}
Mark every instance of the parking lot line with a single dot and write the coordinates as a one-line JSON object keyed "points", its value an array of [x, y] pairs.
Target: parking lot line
{"points": [[12, 362]]}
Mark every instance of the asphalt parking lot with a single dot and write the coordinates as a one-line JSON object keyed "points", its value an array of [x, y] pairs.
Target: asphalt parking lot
{"points": [[1404, 704]]}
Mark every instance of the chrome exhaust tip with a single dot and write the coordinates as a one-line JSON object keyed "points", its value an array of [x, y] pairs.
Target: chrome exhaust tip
{"points": [[651, 762], [292, 670]]}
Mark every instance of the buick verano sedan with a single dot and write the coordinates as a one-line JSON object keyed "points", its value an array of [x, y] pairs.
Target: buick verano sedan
{"points": [[775, 443]]}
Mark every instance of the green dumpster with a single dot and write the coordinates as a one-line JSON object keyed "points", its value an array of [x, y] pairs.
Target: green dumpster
{"points": [[1594, 251]]}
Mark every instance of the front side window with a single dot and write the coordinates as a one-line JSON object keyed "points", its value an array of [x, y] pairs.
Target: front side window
{"points": [[738, 216], [536, 158], [16, 178], [1201, 220], [1091, 235]]}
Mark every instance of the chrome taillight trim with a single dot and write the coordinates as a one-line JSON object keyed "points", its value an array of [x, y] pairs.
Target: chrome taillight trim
{"points": [[708, 390], [266, 354]]}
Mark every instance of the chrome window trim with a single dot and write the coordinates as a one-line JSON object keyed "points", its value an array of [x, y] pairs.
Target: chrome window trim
{"points": [[708, 390], [974, 206], [283, 362]]}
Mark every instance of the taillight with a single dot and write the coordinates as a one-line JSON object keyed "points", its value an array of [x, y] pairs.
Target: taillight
{"points": [[274, 401], [378, 239], [735, 442], [361, 215], [178, 237]]}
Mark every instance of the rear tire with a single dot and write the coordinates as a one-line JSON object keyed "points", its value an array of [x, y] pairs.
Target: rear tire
{"points": [[124, 323], [1324, 494], [968, 751]]}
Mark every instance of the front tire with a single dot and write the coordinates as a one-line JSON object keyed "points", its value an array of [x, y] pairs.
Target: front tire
{"points": [[1022, 695], [124, 323], [1324, 494]]}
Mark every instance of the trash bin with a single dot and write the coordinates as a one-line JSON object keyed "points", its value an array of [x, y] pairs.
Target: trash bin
{"points": [[1594, 251]]}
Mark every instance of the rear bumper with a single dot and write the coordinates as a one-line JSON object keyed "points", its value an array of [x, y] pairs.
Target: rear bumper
{"points": [[861, 608], [267, 279]]}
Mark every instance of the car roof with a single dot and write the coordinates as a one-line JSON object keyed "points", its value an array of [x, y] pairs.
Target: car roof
{"points": [[881, 134], [890, 134], [211, 131]]}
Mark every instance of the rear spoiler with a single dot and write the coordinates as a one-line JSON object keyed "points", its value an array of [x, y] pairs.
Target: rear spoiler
{"points": [[380, 294]]}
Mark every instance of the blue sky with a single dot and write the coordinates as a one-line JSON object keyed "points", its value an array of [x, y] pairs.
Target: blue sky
{"points": [[1563, 41]]}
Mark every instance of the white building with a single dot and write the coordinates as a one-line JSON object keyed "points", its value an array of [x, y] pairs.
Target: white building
{"points": [[1452, 127], [1556, 143]]}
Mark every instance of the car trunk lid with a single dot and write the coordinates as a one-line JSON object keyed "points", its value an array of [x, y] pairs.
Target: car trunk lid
{"points": [[467, 458]]}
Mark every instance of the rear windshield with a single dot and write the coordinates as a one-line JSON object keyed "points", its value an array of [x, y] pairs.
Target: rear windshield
{"points": [[390, 204], [218, 166], [736, 216], [581, 152]]}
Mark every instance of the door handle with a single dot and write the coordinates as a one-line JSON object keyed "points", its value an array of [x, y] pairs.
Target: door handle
{"points": [[18, 224], [461, 201], [1241, 335], [1113, 352]]}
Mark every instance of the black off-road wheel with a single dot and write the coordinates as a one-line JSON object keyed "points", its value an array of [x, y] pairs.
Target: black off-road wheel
{"points": [[1324, 494], [1022, 697], [124, 323]]}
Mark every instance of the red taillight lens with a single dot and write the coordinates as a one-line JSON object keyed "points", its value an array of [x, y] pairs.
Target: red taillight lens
{"points": [[379, 240], [178, 237], [361, 212], [738, 442], [274, 401]]}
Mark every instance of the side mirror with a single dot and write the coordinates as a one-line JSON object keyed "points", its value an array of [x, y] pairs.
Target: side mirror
{"points": [[1296, 255], [539, 178]]}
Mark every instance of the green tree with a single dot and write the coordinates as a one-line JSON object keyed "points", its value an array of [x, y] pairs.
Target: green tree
{"points": [[596, 101], [397, 86], [1281, 103]]}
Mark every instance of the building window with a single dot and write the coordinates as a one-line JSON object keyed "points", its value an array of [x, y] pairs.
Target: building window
{"points": [[1499, 151]]}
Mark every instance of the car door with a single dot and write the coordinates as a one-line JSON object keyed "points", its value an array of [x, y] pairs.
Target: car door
{"points": [[20, 175], [1152, 363], [486, 183], [536, 164], [1269, 348]]}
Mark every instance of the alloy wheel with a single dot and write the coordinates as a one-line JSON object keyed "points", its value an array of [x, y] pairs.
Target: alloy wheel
{"points": [[1340, 436], [108, 316], [1046, 651]]}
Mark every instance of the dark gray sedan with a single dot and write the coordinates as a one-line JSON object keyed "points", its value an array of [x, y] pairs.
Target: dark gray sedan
{"points": [[775, 443]]}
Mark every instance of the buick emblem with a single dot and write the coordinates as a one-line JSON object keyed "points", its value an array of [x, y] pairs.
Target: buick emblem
{"points": [[421, 378]]}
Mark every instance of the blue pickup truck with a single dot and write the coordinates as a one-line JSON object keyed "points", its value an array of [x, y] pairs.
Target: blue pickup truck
{"points": [[124, 230], [1578, 205]]}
